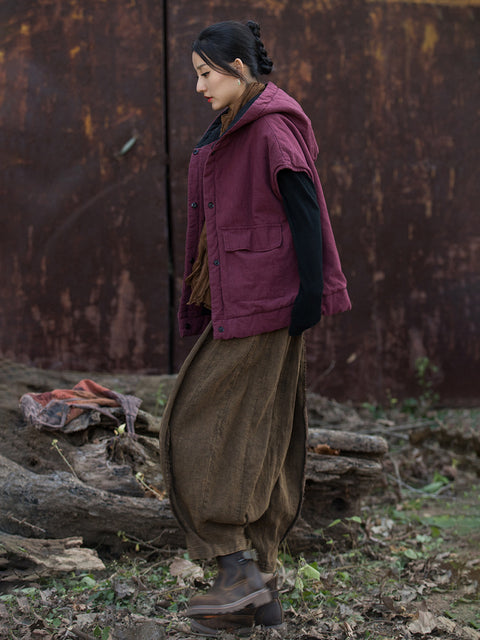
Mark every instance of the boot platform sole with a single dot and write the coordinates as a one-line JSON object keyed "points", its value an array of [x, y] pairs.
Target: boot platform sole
{"points": [[197, 628], [257, 599], [201, 630]]}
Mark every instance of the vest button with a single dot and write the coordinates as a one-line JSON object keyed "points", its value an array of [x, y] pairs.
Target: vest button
{"points": [[216, 262], [195, 151], [194, 205], [210, 205], [221, 329], [188, 326]]}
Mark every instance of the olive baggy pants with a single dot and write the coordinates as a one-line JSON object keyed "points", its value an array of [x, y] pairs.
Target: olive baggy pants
{"points": [[233, 443]]}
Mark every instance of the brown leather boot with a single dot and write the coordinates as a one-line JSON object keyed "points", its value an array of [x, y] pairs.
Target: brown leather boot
{"points": [[238, 584], [270, 614], [241, 623]]}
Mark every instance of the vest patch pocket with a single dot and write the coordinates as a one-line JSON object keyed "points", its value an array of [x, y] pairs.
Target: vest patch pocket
{"points": [[265, 238], [254, 263]]}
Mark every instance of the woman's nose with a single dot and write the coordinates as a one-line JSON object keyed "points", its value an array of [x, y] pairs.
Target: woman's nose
{"points": [[200, 85]]}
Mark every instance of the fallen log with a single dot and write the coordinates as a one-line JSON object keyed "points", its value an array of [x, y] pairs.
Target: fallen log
{"points": [[33, 557], [342, 468], [349, 443], [96, 483], [59, 505]]}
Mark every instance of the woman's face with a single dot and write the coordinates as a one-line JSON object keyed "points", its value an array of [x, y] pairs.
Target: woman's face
{"points": [[220, 89]]}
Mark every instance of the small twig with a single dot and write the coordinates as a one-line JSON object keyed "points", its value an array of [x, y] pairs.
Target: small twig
{"points": [[24, 522], [329, 369], [442, 489], [81, 634], [62, 455], [414, 490], [409, 426], [397, 429], [148, 487], [381, 543], [388, 432], [144, 543], [397, 476]]}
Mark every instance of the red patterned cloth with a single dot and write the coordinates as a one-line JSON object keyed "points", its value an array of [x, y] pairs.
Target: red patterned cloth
{"points": [[58, 408]]}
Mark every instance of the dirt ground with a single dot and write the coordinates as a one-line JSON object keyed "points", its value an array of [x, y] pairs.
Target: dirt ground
{"points": [[408, 567]]}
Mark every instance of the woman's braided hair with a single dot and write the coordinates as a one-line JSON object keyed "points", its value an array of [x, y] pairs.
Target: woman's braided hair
{"points": [[265, 64], [220, 44]]}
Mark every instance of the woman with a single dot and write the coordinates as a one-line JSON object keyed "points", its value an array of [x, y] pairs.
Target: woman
{"points": [[260, 267]]}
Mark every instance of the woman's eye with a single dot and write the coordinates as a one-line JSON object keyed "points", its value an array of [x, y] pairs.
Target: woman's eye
{"points": [[206, 74]]}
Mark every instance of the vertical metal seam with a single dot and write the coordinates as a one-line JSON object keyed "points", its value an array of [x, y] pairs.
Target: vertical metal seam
{"points": [[168, 196]]}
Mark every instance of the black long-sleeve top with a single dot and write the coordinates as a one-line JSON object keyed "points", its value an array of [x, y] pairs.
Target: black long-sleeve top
{"points": [[303, 214]]}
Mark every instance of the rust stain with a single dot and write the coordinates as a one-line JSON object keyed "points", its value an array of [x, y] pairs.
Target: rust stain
{"points": [[128, 326], [445, 3], [30, 232], [379, 52], [409, 27], [305, 71], [428, 208], [274, 7], [87, 122], [451, 182], [94, 317], [66, 300], [430, 39], [43, 271], [77, 13], [74, 52], [377, 195], [313, 6]]}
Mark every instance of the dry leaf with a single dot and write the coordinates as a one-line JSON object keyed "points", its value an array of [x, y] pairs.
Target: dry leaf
{"points": [[185, 569], [122, 588], [425, 623], [445, 624], [23, 604], [444, 578], [325, 450]]}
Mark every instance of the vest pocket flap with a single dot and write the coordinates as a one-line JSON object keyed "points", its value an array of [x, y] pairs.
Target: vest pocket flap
{"points": [[262, 238]]}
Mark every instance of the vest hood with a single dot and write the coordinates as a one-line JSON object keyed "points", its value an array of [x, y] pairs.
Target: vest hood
{"points": [[272, 100]]}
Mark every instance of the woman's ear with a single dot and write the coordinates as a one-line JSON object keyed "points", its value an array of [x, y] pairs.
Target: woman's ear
{"points": [[239, 66]]}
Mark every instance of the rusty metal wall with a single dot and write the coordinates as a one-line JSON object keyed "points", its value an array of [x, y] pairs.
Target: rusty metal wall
{"points": [[84, 251], [392, 89]]}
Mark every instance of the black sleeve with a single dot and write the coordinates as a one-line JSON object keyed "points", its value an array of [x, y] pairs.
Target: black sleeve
{"points": [[303, 214]]}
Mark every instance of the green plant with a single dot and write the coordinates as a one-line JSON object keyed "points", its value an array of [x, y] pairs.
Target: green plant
{"points": [[103, 634], [375, 410], [410, 406], [425, 373], [55, 446], [438, 483], [160, 400]]}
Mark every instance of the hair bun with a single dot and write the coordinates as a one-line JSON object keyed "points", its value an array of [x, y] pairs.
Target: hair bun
{"points": [[265, 64], [254, 28]]}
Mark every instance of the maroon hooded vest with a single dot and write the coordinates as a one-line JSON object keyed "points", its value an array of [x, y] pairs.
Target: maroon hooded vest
{"points": [[232, 186]]}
